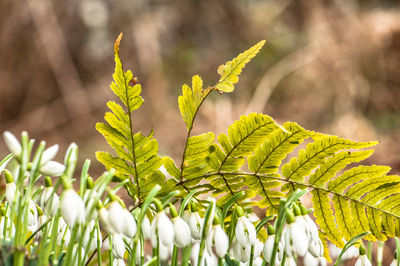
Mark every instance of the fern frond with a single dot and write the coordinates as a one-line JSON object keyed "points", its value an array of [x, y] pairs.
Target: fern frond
{"points": [[324, 215], [232, 69], [137, 154], [311, 157], [191, 99]]}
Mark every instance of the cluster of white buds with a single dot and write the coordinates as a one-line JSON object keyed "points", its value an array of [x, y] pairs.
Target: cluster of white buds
{"points": [[47, 166]]}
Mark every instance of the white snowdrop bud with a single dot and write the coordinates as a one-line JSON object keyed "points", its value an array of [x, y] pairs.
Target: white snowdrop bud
{"points": [[130, 227], [121, 220], [90, 229], [162, 227], [146, 228], [12, 143], [165, 251], [295, 236], [32, 221], [10, 191], [103, 217], [118, 262], [49, 154], [310, 260], [64, 234], [393, 263], [115, 220], [217, 238], [267, 250], [52, 168], [186, 216], [72, 207], [290, 261], [118, 246], [245, 232], [315, 247], [241, 253], [182, 235], [195, 225], [49, 201]]}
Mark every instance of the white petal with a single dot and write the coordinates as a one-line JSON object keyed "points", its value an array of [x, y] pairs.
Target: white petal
{"points": [[72, 207], [195, 225], [221, 241], [52, 168], [118, 246], [241, 253], [49, 154], [316, 248], [115, 217], [130, 227], [363, 261], [10, 191], [245, 232], [146, 228], [165, 229], [165, 252], [310, 260], [12, 143], [182, 236], [119, 262]]}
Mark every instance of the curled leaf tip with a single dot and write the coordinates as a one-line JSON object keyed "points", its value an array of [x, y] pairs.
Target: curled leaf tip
{"points": [[117, 42]]}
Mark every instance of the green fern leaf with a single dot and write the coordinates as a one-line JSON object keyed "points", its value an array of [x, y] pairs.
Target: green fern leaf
{"points": [[232, 69], [268, 157], [310, 158], [137, 154], [324, 216]]}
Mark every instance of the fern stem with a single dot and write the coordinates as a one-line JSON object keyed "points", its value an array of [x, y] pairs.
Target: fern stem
{"points": [[188, 136]]}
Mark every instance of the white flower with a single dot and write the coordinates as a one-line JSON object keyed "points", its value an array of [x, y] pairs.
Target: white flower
{"points": [[165, 251], [315, 247], [52, 168], [245, 232], [87, 236], [48, 202], [182, 236], [10, 191], [12, 143], [267, 250], [217, 238], [162, 227], [121, 220], [195, 225], [118, 262], [72, 207], [363, 261], [49, 154], [393, 263], [32, 221], [64, 233], [186, 216], [351, 252], [295, 238], [103, 217], [310, 260], [118, 246], [146, 228], [240, 252]]}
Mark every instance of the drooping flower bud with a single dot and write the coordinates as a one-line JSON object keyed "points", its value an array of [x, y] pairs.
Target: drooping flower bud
{"points": [[245, 231], [161, 227], [182, 235], [49, 154], [118, 246], [217, 238], [362, 259], [195, 225], [12, 143], [72, 207], [52, 168], [295, 237]]}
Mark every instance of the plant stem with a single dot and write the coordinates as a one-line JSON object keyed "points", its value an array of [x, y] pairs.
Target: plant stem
{"points": [[379, 254]]}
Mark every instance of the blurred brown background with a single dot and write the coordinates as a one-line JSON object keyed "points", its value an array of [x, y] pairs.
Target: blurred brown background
{"points": [[332, 66]]}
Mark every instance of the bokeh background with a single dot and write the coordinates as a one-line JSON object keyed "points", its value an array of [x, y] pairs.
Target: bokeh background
{"points": [[331, 66]]}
